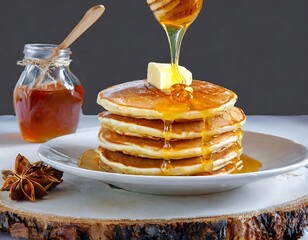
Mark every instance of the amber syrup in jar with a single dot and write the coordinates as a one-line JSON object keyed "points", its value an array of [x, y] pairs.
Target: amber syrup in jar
{"points": [[48, 97]]}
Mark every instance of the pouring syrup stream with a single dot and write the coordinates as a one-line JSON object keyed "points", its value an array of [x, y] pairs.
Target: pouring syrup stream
{"points": [[175, 16]]}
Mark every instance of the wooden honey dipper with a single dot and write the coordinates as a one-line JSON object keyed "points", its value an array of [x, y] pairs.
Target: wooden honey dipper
{"points": [[161, 7], [175, 12]]}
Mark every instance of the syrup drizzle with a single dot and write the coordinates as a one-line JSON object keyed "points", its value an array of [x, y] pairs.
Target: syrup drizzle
{"points": [[207, 155], [175, 17], [166, 166]]}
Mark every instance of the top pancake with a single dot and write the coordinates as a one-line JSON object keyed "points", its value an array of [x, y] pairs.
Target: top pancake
{"points": [[141, 100]]}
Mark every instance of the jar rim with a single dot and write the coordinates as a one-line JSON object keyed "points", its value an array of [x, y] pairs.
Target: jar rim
{"points": [[42, 50]]}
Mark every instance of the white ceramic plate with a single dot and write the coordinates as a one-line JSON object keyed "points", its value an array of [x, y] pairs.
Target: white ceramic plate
{"points": [[278, 155]]}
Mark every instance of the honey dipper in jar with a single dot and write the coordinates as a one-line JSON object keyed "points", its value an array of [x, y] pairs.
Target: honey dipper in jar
{"points": [[170, 124]]}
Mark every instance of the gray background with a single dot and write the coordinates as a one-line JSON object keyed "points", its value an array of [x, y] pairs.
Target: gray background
{"points": [[257, 48]]}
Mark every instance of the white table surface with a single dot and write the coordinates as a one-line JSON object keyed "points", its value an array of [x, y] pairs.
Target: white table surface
{"points": [[292, 127]]}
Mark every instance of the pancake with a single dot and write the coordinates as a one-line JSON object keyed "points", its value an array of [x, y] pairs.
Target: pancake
{"points": [[146, 132], [154, 148], [225, 121], [222, 162], [138, 99]]}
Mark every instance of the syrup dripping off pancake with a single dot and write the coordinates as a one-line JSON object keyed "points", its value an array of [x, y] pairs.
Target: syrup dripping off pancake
{"points": [[143, 125]]}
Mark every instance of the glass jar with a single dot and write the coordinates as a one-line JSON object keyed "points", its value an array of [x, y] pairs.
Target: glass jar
{"points": [[48, 96]]}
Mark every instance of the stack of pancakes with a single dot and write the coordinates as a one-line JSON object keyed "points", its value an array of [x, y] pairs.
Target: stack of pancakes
{"points": [[145, 132]]}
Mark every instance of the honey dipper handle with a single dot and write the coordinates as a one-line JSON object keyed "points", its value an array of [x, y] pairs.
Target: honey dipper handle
{"points": [[90, 17]]}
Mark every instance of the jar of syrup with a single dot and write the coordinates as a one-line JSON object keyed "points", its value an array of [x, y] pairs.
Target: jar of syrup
{"points": [[48, 96]]}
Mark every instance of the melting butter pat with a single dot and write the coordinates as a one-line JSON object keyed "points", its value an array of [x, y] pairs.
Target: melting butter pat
{"points": [[160, 75]]}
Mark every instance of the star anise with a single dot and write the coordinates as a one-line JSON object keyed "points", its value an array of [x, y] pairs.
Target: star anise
{"points": [[30, 181]]}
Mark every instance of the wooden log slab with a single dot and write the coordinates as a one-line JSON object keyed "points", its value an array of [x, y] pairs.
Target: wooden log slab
{"points": [[287, 222], [81, 208]]}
